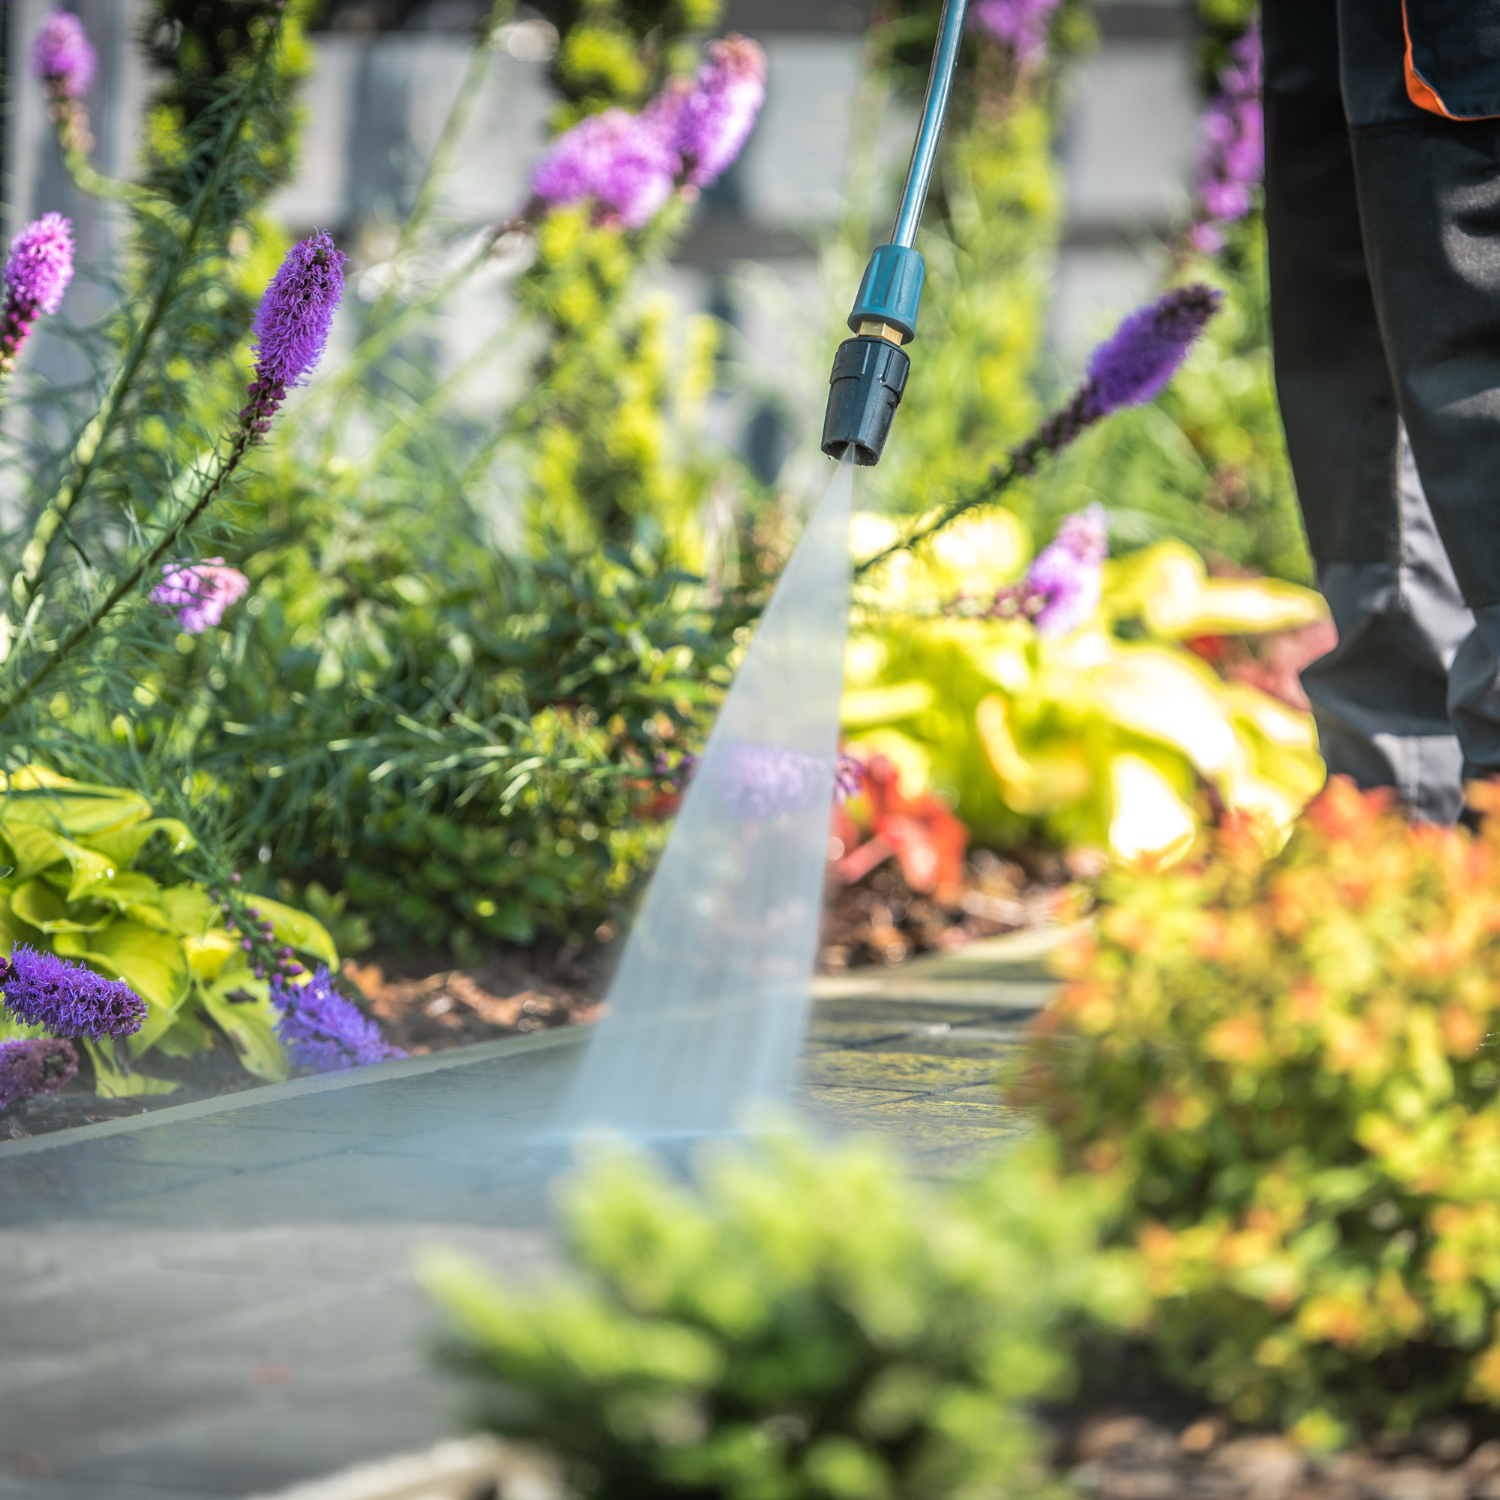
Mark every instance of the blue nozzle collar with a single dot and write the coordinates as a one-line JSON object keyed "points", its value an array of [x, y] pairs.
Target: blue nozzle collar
{"points": [[891, 291]]}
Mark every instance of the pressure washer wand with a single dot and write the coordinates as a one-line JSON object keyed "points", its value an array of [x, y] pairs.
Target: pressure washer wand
{"points": [[869, 370]]}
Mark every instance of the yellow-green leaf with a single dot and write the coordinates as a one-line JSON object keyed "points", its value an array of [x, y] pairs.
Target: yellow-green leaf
{"points": [[296, 929], [44, 908], [112, 1082], [249, 1024]]}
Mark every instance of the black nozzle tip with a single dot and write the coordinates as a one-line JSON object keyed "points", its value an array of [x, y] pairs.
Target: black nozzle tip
{"points": [[864, 391]]}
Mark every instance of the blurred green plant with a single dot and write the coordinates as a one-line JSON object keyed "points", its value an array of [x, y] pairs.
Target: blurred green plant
{"points": [[803, 1324], [1287, 1065]]}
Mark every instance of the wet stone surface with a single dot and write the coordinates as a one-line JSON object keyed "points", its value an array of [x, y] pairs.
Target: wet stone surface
{"points": [[216, 1300]]}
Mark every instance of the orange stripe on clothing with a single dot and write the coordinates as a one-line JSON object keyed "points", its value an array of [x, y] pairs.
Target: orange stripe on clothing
{"points": [[1419, 91]]}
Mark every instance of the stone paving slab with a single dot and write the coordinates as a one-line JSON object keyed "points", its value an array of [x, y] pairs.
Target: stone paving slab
{"points": [[215, 1300]]}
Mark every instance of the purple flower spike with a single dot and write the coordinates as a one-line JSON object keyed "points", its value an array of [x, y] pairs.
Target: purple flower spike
{"points": [[1020, 25], [199, 592], [292, 325], [35, 1065], [36, 276], [1143, 355], [42, 989], [1232, 154], [63, 57], [848, 778], [1130, 367], [41, 264], [322, 1030], [1066, 576], [623, 161], [711, 121]]}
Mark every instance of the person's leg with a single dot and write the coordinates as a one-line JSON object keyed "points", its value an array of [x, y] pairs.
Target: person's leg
{"points": [[1380, 697], [1429, 198]]}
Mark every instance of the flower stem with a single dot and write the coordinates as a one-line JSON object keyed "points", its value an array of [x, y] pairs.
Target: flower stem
{"points": [[244, 436], [84, 458]]}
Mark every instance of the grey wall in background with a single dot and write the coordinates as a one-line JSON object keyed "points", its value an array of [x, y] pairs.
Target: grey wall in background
{"points": [[377, 102]]}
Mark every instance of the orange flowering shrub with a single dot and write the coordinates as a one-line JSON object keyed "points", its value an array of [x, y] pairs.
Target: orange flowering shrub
{"points": [[1290, 1064]]}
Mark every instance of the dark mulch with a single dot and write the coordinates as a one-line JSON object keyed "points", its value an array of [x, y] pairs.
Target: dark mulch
{"points": [[1124, 1456], [881, 920]]}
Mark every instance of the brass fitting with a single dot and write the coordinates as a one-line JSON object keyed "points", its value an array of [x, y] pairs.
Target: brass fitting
{"points": [[870, 328]]}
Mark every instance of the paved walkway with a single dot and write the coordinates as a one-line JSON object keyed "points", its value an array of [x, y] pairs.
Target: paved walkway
{"points": [[214, 1300]]}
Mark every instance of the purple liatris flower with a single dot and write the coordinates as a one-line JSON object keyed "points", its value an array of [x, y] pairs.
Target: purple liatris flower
{"points": [[1020, 24], [199, 592], [42, 989], [292, 325], [1063, 584], [37, 274], [848, 778], [35, 1065], [63, 57], [41, 264], [1232, 155], [1130, 367], [622, 161], [1136, 362], [709, 123], [322, 1030]]}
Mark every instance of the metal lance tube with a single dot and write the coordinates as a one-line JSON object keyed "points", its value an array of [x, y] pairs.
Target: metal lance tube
{"points": [[869, 370]]}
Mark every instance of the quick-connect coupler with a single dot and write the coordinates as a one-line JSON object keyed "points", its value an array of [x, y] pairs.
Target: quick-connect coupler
{"points": [[869, 370]]}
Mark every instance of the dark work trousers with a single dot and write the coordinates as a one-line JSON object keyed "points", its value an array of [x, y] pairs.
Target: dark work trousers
{"points": [[1383, 221]]}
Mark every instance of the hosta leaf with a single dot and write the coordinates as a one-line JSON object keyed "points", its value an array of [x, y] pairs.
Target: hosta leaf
{"points": [[189, 910], [123, 845], [207, 955], [187, 1036], [296, 929], [112, 1082], [250, 1024], [44, 908], [32, 849]]}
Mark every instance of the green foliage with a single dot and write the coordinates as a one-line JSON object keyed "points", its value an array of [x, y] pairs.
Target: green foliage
{"points": [[805, 1324], [1110, 737], [1287, 1064], [607, 429], [76, 888], [619, 52]]}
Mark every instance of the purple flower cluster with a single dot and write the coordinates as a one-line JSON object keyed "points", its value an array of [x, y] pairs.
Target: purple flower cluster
{"points": [[292, 325], [257, 937], [41, 264], [63, 57], [631, 164], [35, 1065], [848, 778], [1020, 24], [37, 274], [1067, 574], [42, 989], [199, 592], [1128, 368], [322, 1030], [614, 157], [676, 776], [1232, 156]]}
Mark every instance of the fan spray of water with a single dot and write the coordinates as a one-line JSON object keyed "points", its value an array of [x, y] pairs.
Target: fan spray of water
{"points": [[706, 1010]]}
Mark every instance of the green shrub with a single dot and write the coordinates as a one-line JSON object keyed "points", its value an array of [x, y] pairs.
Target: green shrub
{"points": [[1287, 1065], [805, 1325]]}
